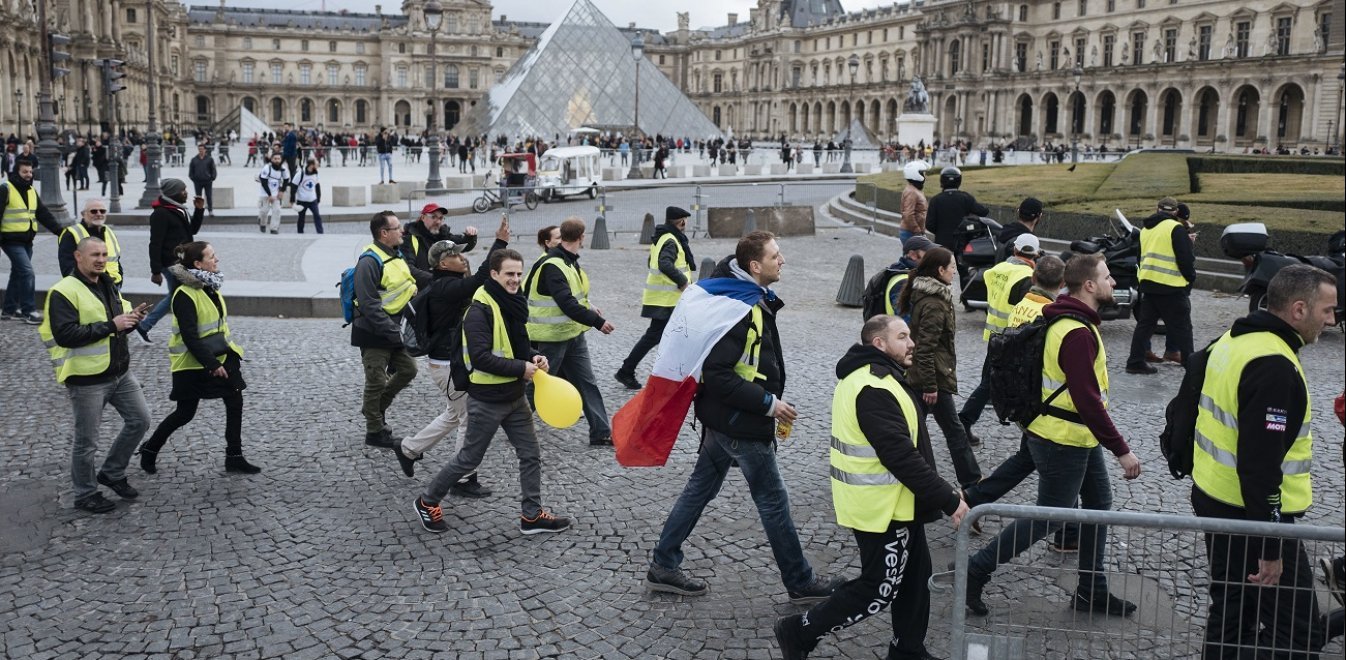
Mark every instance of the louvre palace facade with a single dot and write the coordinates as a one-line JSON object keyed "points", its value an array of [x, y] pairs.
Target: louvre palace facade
{"points": [[1187, 73]]}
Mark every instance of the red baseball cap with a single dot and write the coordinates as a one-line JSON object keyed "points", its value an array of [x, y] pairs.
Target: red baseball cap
{"points": [[433, 208]]}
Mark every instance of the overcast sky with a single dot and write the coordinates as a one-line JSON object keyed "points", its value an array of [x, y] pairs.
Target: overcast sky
{"points": [[657, 15]]}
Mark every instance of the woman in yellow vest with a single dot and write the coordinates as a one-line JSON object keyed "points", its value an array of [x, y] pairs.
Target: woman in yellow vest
{"points": [[205, 361]]}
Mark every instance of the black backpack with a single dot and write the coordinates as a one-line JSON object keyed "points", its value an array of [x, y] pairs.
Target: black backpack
{"points": [[1015, 358], [874, 301], [416, 335], [1177, 441]]}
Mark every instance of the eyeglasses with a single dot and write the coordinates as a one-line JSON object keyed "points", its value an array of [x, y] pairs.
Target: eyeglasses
{"points": [[97, 211]]}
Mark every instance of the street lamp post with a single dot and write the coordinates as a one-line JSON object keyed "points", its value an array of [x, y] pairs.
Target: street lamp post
{"points": [[434, 16], [1341, 103], [18, 103], [852, 64], [637, 53], [153, 150], [48, 154], [1077, 73]]}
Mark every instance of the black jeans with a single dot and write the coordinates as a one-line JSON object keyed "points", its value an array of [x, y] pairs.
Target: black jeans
{"points": [[894, 569], [186, 410], [643, 345], [1006, 477], [976, 401], [208, 188], [1175, 310], [1239, 609], [317, 217], [960, 452]]}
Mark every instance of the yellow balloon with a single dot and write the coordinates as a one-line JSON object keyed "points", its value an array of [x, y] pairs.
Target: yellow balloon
{"points": [[557, 401]]}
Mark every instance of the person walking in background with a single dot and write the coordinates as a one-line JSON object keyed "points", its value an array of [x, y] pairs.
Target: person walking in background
{"points": [[1167, 271], [204, 360], [309, 194], [928, 298], [85, 328], [92, 222], [201, 170], [273, 178], [21, 211], [669, 272], [383, 287], [289, 150], [170, 226]]}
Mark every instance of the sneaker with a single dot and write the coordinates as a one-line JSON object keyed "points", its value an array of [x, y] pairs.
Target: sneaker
{"points": [[1334, 577], [974, 602], [10, 316], [1111, 605], [673, 581], [790, 648], [816, 591], [121, 487], [33, 318], [432, 517], [627, 380], [261, 228], [605, 441], [1141, 369], [95, 503], [144, 336], [544, 522], [408, 463], [470, 488]]}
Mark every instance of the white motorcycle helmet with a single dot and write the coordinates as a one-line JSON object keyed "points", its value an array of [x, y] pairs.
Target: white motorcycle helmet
{"points": [[915, 170]]}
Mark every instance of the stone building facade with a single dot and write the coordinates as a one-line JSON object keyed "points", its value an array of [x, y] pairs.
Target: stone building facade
{"points": [[1188, 73]]}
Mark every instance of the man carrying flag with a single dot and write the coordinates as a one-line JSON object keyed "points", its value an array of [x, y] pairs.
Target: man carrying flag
{"points": [[725, 329]]}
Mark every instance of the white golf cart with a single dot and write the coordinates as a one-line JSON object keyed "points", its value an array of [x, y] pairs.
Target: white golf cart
{"points": [[567, 171]]}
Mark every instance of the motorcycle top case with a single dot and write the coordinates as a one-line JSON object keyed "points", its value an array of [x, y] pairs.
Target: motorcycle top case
{"points": [[1243, 239]]}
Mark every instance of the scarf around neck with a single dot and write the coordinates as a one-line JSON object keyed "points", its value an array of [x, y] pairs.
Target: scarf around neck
{"points": [[211, 280]]}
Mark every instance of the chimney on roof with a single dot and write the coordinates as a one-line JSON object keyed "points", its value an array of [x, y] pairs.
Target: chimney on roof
{"points": [[733, 19], [503, 18]]}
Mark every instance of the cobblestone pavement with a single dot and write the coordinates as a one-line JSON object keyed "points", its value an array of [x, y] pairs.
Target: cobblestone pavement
{"points": [[320, 555]]}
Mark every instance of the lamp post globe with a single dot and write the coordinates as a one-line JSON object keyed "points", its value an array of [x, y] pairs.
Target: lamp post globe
{"points": [[637, 141], [434, 18]]}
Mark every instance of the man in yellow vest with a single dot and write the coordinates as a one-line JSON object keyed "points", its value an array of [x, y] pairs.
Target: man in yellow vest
{"points": [[899, 272], [85, 332], [1066, 441], [383, 287], [670, 269], [92, 222], [1251, 462], [559, 314], [21, 211], [885, 488], [498, 360], [1166, 272]]}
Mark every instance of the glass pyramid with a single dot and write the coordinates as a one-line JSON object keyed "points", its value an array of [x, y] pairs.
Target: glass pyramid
{"points": [[581, 73]]}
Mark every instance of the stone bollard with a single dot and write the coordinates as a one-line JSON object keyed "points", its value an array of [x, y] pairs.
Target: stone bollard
{"points": [[647, 230], [749, 225], [852, 291], [707, 267], [600, 240]]}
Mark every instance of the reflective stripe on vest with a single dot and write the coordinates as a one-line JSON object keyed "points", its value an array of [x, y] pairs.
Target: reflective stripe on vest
{"points": [[397, 287], [90, 359], [1158, 261], [114, 249], [660, 291], [1215, 459], [500, 346], [546, 321], [1055, 427], [1000, 280], [865, 495], [20, 211], [210, 322], [888, 292]]}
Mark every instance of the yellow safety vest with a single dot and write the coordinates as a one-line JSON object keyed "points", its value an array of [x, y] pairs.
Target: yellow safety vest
{"points": [[397, 286], [212, 327], [20, 211], [865, 494], [888, 292], [89, 359], [500, 346], [752, 349], [546, 321], [114, 249], [1158, 261], [1054, 427], [1028, 310], [1215, 459], [660, 291], [1000, 280]]}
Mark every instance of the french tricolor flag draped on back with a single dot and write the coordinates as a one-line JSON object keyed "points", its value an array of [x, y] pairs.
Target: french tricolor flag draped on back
{"points": [[644, 430]]}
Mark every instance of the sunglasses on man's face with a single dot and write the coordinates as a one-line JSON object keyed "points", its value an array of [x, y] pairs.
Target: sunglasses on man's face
{"points": [[98, 211]]}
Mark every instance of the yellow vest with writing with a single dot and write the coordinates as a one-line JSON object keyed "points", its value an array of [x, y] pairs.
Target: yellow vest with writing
{"points": [[865, 494], [660, 291], [1158, 261], [114, 248], [1215, 459], [212, 327], [1052, 427], [500, 346], [546, 321], [20, 211], [89, 359], [1028, 310], [1000, 280]]}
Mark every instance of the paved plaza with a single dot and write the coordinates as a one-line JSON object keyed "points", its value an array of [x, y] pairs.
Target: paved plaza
{"points": [[320, 556]]}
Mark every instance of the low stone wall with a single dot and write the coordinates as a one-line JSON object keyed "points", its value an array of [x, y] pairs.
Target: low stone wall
{"points": [[727, 222]]}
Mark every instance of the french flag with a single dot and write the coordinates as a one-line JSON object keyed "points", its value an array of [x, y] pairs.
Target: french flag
{"points": [[644, 430]]}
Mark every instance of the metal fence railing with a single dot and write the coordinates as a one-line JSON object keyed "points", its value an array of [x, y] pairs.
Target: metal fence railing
{"points": [[1159, 562]]}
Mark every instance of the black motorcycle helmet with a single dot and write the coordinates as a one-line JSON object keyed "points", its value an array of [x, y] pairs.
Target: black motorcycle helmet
{"points": [[950, 178]]}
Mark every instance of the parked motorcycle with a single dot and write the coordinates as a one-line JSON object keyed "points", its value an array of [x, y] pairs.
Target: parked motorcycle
{"points": [[1248, 243], [975, 250], [1121, 252]]}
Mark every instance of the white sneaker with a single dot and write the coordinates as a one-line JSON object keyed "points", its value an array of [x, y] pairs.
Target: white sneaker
{"points": [[32, 318]]}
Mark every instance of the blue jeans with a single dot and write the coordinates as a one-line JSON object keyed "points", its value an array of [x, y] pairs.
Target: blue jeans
{"points": [[127, 397], [904, 236], [569, 359], [1064, 472], [757, 459], [385, 160], [19, 292], [162, 307]]}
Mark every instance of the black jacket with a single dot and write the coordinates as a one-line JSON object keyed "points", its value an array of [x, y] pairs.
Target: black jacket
{"points": [[446, 300], [478, 326], [201, 170], [946, 211], [170, 226], [1270, 387], [417, 253], [44, 217], [67, 331], [552, 282], [1182, 251], [725, 401], [1006, 238], [200, 383], [667, 265], [885, 427]]}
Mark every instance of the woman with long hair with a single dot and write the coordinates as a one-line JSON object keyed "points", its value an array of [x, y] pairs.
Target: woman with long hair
{"points": [[928, 298], [205, 361]]}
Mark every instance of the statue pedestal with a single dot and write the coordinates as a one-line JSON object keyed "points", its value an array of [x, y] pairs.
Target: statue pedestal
{"points": [[914, 128]]}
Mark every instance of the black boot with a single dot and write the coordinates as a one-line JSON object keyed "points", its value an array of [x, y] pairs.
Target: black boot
{"points": [[240, 465], [147, 459]]}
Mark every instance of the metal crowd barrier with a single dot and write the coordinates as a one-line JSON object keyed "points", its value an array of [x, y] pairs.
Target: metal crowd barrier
{"points": [[1158, 561]]}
